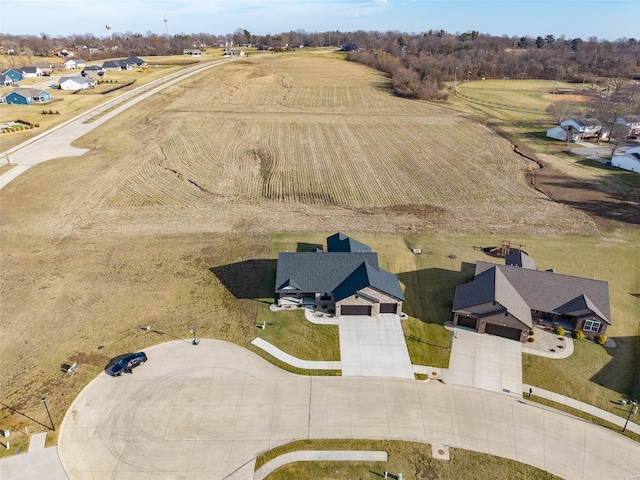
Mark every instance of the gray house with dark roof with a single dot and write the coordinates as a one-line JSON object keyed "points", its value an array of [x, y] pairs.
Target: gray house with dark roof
{"points": [[346, 277], [506, 300]]}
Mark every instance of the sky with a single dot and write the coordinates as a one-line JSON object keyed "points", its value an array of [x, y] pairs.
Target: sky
{"points": [[610, 19]]}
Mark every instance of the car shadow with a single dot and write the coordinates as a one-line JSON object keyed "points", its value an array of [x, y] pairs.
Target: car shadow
{"points": [[115, 360]]}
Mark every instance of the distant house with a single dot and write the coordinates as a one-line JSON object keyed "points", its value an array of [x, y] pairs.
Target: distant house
{"points": [[76, 83], [80, 63], [27, 96], [13, 74], [346, 277], [574, 129], [5, 80], [227, 52], [506, 300], [632, 122], [31, 72], [585, 127], [630, 160], [192, 52], [111, 65], [94, 72], [136, 61], [70, 64], [45, 67]]}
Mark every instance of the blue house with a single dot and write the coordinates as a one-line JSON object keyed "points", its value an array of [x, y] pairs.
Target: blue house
{"points": [[27, 96], [14, 75]]}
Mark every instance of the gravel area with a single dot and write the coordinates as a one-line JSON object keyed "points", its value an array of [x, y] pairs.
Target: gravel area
{"points": [[548, 344]]}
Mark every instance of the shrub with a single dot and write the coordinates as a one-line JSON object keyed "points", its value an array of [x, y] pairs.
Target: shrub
{"points": [[531, 332], [600, 339], [558, 330], [531, 339], [578, 334], [331, 310]]}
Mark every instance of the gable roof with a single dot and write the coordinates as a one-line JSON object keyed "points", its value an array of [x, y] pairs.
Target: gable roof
{"points": [[490, 286], [518, 258], [366, 275], [341, 272], [77, 79], [29, 92], [318, 271], [339, 242], [550, 292]]}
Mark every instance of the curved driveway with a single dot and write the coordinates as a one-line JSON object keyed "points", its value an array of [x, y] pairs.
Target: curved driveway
{"points": [[207, 411]]}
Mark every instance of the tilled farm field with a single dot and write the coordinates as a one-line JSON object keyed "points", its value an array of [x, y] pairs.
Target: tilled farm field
{"points": [[302, 143]]}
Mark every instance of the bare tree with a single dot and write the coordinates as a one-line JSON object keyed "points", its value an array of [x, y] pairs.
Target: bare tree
{"points": [[561, 111]]}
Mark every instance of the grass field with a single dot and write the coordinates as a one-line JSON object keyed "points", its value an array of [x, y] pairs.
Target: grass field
{"points": [[177, 195], [532, 94], [413, 460]]}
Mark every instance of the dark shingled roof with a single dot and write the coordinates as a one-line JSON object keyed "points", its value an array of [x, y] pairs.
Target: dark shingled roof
{"points": [[553, 292], [518, 258], [368, 276], [492, 286], [339, 242], [340, 272], [318, 271]]}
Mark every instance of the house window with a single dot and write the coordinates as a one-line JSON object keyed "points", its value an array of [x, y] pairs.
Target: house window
{"points": [[591, 325]]}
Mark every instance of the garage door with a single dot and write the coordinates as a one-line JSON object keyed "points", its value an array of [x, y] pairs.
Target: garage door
{"points": [[467, 322], [500, 331], [388, 308], [356, 310]]}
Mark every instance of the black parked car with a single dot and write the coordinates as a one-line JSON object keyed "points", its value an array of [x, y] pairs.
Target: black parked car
{"points": [[127, 364]]}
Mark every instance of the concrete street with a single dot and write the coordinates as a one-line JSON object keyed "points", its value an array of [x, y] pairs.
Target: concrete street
{"points": [[206, 411]]}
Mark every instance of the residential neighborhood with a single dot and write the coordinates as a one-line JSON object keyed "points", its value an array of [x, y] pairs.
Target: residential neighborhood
{"points": [[390, 240]]}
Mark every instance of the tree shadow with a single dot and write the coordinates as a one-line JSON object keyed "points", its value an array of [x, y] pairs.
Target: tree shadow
{"points": [[249, 279], [308, 247], [622, 372], [429, 292]]}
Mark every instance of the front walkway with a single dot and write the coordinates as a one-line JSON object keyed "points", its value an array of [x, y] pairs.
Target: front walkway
{"points": [[373, 347], [485, 361]]}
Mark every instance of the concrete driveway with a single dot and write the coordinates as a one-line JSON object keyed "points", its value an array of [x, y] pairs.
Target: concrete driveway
{"points": [[206, 411], [373, 347], [485, 361]]}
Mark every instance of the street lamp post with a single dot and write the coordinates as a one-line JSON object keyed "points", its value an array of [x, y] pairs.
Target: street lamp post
{"points": [[468, 80], [44, 400], [192, 329], [455, 83], [634, 410]]}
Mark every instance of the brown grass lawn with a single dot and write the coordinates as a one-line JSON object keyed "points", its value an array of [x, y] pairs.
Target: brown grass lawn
{"points": [[176, 215]]}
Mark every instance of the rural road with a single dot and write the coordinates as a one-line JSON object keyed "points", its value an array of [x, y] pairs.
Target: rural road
{"points": [[56, 143], [207, 411]]}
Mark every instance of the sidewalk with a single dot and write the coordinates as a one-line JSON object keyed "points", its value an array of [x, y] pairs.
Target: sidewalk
{"points": [[294, 361], [585, 407], [319, 456]]}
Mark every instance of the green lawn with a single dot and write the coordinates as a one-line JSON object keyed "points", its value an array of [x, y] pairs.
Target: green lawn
{"points": [[592, 374], [413, 460], [526, 93]]}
